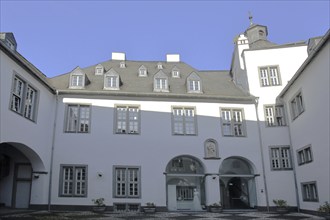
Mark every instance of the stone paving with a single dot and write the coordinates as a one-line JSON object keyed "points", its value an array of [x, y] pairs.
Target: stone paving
{"points": [[44, 215]]}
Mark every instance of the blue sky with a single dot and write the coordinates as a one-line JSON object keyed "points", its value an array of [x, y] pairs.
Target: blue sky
{"points": [[57, 36]]}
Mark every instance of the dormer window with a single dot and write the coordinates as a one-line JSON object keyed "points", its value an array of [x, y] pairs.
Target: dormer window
{"points": [[159, 66], [77, 79], [142, 71], [160, 82], [111, 80], [122, 64], [175, 72], [99, 69], [194, 83]]}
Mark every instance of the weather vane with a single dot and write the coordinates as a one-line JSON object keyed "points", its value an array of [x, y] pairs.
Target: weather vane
{"points": [[250, 18]]}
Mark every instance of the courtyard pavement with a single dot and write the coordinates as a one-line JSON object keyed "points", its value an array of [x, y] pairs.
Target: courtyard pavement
{"points": [[44, 215]]}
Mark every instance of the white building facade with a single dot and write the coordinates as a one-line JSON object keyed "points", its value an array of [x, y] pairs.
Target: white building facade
{"points": [[134, 132]]}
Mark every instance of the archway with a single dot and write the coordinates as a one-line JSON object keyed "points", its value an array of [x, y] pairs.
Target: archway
{"points": [[185, 184], [237, 184], [17, 163]]}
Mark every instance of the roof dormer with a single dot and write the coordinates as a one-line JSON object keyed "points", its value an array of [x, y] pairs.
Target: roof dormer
{"points": [[99, 69], [161, 82], [78, 79], [175, 72], [111, 80], [143, 71], [194, 83], [122, 64], [159, 66], [9, 40]]}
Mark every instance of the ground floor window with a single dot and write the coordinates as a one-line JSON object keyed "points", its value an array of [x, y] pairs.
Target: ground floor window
{"points": [[126, 207], [309, 191], [73, 180], [127, 182]]}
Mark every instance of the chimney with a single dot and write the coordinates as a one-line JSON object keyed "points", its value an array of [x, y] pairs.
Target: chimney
{"points": [[172, 57], [118, 56]]}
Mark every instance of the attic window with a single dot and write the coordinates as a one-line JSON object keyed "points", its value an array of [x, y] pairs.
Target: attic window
{"points": [[160, 82], [111, 80], [142, 71], [122, 65], [175, 72], [194, 84], [77, 81], [99, 69], [159, 66]]}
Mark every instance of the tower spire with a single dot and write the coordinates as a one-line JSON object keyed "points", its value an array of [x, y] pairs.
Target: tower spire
{"points": [[250, 18]]}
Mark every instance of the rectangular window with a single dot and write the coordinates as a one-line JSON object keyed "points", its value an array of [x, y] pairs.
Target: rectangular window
{"points": [[232, 122], [111, 82], [183, 121], [194, 85], [127, 182], [23, 98], [73, 180], [127, 120], [305, 155], [309, 192], [274, 116], [161, 83], [78, 119], [280, 158], [185, 193], [269, 76], [77, 80], [297, 106]]}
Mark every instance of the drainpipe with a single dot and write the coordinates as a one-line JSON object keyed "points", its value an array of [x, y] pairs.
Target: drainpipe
{"points": [[52, 155], [262, 153]]}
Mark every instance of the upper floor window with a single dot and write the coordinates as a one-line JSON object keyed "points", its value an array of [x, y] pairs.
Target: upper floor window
{"points": [[99, 69], [232, 121], [23, 98], [297, 106], [111, 80], [274, 116], [73, 180], [142, 71], [184, 121], [127, 120], [269, 76], [127, 182], [159, 66], [122, 64], [78, 118], [194, 83], [160, 82], [280, 157], [309, 191], [175, 72], [305, 155]]}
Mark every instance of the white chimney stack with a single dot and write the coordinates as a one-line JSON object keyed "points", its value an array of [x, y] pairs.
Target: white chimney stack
{"points": [[118, 56], [172, 57]]}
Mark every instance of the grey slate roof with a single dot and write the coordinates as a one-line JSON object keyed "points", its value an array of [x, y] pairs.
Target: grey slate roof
{"points": [[215, 84]]}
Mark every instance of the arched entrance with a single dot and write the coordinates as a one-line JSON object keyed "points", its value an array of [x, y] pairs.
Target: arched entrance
{"points": [[17, 163], [185, 184], [237, 184]]}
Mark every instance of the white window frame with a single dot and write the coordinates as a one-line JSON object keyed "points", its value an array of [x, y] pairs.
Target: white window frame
{"points": [[159, 66], [309, 191], [297, 105], [111, 82], [232, 122], [175, 72], [77, 81], [269, 76], [127, 182], [305, 155], [161, 84], [184, 121], [122, 64], [194, 85], [77, 123], [274, 115], [127, 119], [280, 158], [142, 71], [24, 98], [73, 181]]}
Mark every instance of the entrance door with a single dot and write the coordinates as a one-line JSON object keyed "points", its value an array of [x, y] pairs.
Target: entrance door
{"points": [[238, 193], [22, 185]]}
